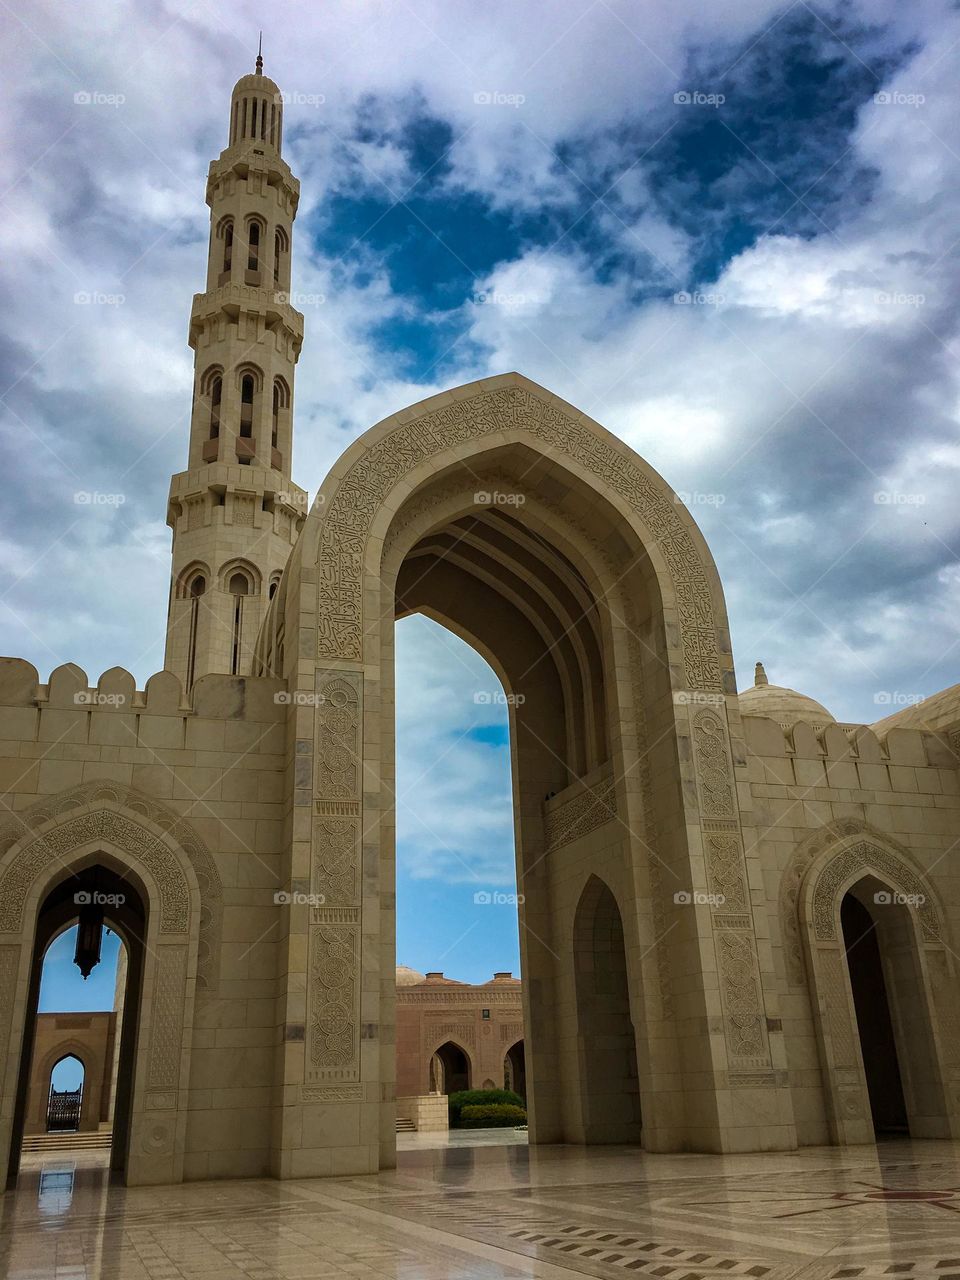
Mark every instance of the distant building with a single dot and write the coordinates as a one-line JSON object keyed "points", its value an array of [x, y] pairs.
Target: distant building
{"points": [[452, 1035]]}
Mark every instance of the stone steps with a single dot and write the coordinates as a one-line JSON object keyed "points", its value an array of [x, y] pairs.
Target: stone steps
{"points": [[52, 1143]]}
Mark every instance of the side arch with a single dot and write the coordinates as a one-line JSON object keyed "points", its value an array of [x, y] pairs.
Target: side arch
{"points": [[872, 865], [63, 835]]}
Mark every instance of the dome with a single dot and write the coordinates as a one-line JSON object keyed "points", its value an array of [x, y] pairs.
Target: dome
{"points": [[786, 706], [407, 977]]}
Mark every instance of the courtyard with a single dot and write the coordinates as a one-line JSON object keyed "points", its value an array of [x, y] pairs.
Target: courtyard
{"points": [[502, 1209]]}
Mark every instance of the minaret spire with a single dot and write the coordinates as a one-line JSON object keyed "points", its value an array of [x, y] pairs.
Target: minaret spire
{"points": [[260, 56], [235, 512]]}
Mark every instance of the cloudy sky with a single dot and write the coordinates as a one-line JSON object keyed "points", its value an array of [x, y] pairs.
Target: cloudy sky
{"points": [[728, 232]]}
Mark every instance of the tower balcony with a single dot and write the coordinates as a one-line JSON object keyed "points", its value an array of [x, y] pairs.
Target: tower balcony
{"points": [[231, 299]]}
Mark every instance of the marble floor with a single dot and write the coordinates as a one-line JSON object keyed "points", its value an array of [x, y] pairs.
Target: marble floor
{"points": [[506, 1210]]}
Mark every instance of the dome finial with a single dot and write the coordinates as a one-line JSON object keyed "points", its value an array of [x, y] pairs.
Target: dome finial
{"points": [[760, 676], [260, 56]]}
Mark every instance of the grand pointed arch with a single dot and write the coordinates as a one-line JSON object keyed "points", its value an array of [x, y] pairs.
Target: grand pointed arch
{"points": [[545, 542]]}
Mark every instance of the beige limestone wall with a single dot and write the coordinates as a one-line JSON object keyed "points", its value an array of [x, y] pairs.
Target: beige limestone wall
{"points": [[211, 769], [801, 795], [428, 1112]]}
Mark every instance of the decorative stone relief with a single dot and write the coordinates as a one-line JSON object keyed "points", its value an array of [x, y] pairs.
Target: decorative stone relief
{"points": [[794, 875], [332, 1041], [90, 823], [743, 1008], [581, 814], [868, 856], [166, 1021], [717, 798], [362, 490], [332, 1093]]}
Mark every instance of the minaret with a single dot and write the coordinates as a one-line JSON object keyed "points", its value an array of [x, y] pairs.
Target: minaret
{"points": [[235, 512]]}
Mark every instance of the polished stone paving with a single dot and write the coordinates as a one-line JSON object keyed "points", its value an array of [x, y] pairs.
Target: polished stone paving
{"points": [[503, 1210]]}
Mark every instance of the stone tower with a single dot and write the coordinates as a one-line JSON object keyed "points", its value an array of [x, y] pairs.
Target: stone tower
{"points": [[234, 512]]}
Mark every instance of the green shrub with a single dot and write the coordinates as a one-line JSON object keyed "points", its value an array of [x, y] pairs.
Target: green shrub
{"points": [[496, 1115], [480, 1098]]}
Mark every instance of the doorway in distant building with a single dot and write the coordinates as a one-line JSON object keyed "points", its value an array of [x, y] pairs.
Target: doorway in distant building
{"points": [[515, 1070], [65, 1096], [878, 1043], [450, 1069]]}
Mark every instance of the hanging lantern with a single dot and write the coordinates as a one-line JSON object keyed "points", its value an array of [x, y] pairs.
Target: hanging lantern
{"points": [[89, 933]]}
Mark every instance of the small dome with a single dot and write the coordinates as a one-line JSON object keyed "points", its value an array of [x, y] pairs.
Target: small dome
{"points": [[786, 706], [407, 977]]}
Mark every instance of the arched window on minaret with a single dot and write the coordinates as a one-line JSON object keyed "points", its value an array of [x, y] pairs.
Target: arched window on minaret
{"points": [[281, 403], [247, 392], [239, 587], [192, 586], [254, 231], [280, 246], [225, 232], [215, 392]]}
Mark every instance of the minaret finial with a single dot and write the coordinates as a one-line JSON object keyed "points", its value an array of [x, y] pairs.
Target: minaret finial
{"points": [[760, 676], [260, 56]]}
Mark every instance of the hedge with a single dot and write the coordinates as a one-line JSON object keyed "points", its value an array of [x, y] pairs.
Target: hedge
{"points": [[480, 1098], [497, 1115]]}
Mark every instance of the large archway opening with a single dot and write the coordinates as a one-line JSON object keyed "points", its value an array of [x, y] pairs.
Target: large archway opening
{"points": [[512, 583], [90, 933]]}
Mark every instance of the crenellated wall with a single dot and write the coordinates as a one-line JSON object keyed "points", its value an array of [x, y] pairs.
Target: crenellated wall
{"points": [[803, 793], [209, 769]]}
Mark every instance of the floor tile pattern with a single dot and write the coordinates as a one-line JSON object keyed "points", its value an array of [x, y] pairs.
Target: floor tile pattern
{"points": [[506, 1212]]}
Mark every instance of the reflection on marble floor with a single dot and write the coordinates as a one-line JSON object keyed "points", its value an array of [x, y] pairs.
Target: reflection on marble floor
{"points": [[488, 1211]]}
